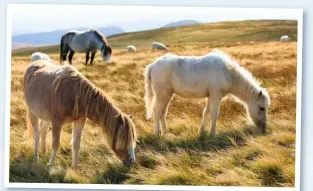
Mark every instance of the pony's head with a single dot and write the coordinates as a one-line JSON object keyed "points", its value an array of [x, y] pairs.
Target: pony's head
{"points": [[106, 52], [124, 142], [258, 109]]}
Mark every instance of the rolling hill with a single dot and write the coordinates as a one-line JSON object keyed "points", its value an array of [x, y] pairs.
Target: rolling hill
{"points": [[181, 23], [214, 34], [53, 37]]}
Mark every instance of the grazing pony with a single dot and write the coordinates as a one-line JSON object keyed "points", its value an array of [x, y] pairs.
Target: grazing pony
{"points": [[84, 41], [60, 94], [131, 48], [158, 46], [284, 38], [39, 56], [211, 76]]}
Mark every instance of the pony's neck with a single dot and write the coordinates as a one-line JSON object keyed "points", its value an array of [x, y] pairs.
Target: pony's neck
{"points": [[99, 44], [243, 89], [106, 115], [101, 110]]}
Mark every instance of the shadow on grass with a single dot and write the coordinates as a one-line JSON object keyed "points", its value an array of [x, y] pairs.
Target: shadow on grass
{"points": [[115, 174], [25, 170], [206, 142]]}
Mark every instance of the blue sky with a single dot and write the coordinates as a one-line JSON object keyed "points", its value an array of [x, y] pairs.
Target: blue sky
{"points": [[41, 18]]}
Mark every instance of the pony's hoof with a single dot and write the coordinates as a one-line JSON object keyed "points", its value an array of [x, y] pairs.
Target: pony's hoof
{"points": [[212, 135], [74, 166], [49, 164]]}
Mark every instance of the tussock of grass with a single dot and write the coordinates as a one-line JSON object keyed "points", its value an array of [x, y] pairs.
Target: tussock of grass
{"points": [[238, 155], [147, 161], [115, 174], [270, 171]]}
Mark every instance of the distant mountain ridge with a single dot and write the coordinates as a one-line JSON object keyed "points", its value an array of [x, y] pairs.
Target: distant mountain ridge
{"points": [[53, 37], [181, 23]]}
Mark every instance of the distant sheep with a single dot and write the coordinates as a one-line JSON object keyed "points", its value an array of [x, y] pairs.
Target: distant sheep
{"points": [[158, 46], [39, 56], [284, 38], [131, 48]]}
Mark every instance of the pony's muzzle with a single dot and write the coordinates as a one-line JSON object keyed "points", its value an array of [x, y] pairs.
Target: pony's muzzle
{"points": [[129, 162], [262, 126], [107, 58]]}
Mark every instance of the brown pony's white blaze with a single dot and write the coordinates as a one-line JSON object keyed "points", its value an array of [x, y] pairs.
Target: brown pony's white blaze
{"points": [[61, 94]]}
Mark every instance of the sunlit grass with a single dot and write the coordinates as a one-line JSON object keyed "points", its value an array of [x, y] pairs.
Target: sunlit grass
{"points": [[239, 155]]}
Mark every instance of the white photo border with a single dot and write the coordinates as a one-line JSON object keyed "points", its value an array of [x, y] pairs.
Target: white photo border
{"points": [[295, 14]]}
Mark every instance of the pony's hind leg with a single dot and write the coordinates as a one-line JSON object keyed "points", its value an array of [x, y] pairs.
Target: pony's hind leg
{"points": [[64, 53], [43, 134], [160, 105], [76, 137], [70, 56], [215, 105], [35, 123], [56, 132], [157, 112], [92, 57], [205, 116], [87, 57], [163, 116]]}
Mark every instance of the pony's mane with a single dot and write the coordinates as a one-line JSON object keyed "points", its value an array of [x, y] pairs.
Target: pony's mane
{"points": [[99, 35], [243, 76], [117, 127]]}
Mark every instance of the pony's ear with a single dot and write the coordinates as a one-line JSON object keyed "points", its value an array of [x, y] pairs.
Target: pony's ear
{"points": [[260, 94]]}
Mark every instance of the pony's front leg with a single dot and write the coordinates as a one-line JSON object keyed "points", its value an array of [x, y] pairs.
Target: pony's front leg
{"points": [[215, 105], [56, 132], [43, 134], [205, 116], [76, 137], [92, 56]]}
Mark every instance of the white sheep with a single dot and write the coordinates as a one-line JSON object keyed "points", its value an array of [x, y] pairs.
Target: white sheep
{"points": [[158, 46], [131, 48], [284, 38], [39, 56]]}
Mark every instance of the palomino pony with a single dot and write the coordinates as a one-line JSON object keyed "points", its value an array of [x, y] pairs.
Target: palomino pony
{"points": [[84, 41], [211, 76], [60, 94]]}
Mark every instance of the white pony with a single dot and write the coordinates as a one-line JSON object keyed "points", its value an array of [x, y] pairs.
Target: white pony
{"points": [[131, 48], [158, 46], [211, 76], [284, 38], [39, 56]]}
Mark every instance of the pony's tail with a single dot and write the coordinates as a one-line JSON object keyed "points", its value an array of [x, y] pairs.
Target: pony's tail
{"points": [[29, 135], [61, 48], [149, 95]]}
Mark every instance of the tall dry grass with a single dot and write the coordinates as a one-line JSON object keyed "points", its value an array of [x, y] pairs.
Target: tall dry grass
{"points": [[239, 155]]}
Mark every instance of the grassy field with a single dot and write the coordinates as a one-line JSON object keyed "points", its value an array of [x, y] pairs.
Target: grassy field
{"points": [[239, 155]]}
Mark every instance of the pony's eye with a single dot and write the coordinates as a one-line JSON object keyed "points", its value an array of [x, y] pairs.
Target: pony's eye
{"points": [[262, 108]]}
